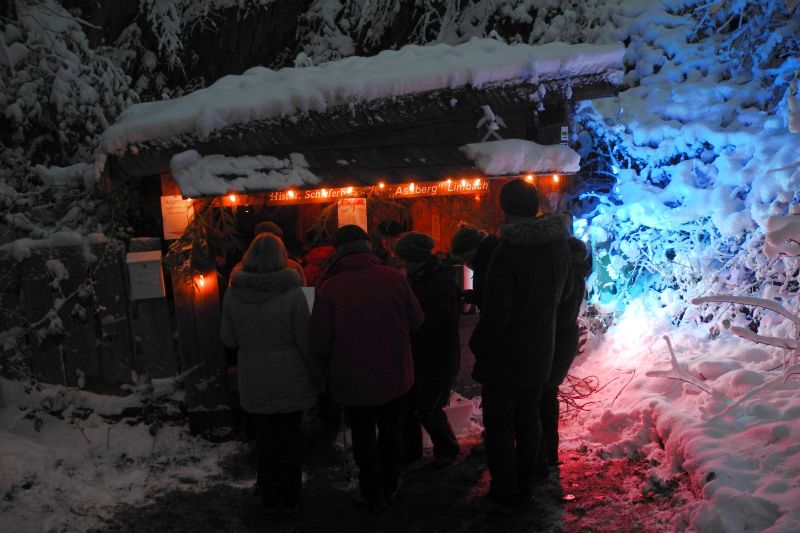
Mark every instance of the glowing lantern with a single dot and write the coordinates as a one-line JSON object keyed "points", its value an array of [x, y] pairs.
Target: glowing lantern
{"points": [[411, 187], [529, 178], [555, 178], [477, 182], [290, 194], [349, 190], [200, 281], [324, 193], [448, 181], [232, 198], [463, 183], [381, 185]]}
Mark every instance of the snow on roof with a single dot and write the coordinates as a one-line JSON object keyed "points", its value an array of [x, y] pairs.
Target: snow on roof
{"points": [[517, 156], [216, 175], [261, 93]]}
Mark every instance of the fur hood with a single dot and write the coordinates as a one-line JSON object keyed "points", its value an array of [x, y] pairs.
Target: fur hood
{"points": [[255, 287], [534, 232]]}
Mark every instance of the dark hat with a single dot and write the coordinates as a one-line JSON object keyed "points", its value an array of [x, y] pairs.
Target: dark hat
{"points": [[465, 238], [390, 228], [268, 226], [349, 233], [519, 199], [414, 247], [581, 258]]}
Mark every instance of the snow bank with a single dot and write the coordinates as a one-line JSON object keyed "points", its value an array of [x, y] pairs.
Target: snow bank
{"points": [[261, 93], [70, 473], [738, 442]]}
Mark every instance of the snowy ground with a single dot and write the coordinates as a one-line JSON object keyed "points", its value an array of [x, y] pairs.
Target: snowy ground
{"points": [[721, 453]]}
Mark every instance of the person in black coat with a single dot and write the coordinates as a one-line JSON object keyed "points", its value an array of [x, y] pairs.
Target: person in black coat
{"points": [[566, 348], [436, 350], [514, 340], [475, 248]]}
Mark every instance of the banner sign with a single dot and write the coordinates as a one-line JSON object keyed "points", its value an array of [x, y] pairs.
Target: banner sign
{"points": [[389, 190]]}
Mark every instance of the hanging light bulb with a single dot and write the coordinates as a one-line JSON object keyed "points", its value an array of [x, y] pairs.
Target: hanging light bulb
{"points": [[381, 185]]}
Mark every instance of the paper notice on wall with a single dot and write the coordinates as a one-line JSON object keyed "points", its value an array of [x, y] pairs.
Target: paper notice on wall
{"points": [[353, 211], [176, 214]]}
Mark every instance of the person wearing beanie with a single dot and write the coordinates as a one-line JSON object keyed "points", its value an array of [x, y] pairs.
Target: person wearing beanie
{"points": [[389, 232], [567, 347], [474, 247], [363, 316], [513, 342], [436, 349]]}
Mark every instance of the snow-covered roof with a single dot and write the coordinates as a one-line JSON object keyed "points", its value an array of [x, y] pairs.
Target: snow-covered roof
{"points": [[518, 156], [261, 93], [217, 175]]}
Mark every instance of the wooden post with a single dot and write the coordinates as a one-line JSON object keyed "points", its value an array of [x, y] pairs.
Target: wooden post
{"points": [[196, 297]]}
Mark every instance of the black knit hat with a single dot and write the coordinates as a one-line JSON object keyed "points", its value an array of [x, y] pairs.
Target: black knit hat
{"points": [[519, 199], [348, 234], [465, 238], [390, 228], [414, 247]]}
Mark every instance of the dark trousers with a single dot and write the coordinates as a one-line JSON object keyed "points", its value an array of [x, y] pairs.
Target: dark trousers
{"points": [[424, 407], [548, 412], [513, 430], [279, 456], [378, 457]]}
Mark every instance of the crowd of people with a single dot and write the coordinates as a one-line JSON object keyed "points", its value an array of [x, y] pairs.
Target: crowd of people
{"points": [[381, 346]]}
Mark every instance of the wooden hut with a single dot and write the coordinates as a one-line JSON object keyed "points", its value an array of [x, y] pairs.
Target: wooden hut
{"points": [[294, 142]]}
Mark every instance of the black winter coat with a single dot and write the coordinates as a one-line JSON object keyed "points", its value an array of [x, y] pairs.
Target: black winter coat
{"points": [[567, 329], [436, 346], [528, 277]]}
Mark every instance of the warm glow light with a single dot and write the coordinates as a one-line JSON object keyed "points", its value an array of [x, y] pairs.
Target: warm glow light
{"points": [[411, 186], [555, 178], [201, 281], [232, 198], [529, 177], [463, 183], [290, 194], [381, 185], [449, 181], [349, 190], [477, 198], [324, 193], [477, 182]]}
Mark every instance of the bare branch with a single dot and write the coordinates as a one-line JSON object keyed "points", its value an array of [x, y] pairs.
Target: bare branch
{"points": [[749, 300]]}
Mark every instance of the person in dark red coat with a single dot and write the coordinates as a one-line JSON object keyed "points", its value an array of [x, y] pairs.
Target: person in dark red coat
{"points": [[360, 328], [565, 350], [514, 339], [317, 261], [436, 348]]}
